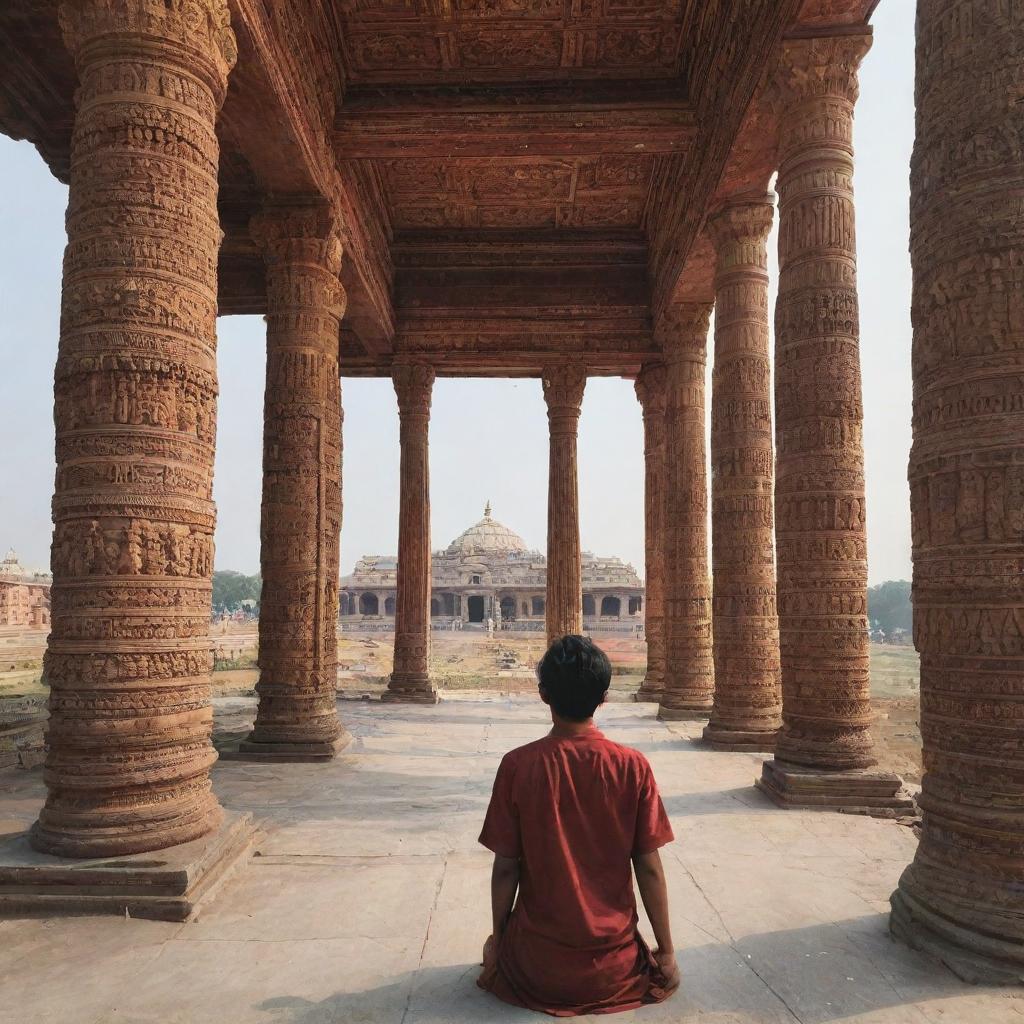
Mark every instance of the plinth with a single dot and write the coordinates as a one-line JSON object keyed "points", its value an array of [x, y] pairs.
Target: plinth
{"points": [[165, 885], [753, 740], [855, 791], [312, 752]]}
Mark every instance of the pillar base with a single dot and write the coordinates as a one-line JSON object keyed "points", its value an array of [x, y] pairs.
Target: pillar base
{"points": [[165, 885], [855, 791], [648, 694], [720, 738], [684, 714], [312, 752], [410, 695], [973, 956]]}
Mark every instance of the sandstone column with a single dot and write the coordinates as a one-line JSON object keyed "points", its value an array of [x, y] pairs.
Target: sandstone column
{"points": [[963, 897], [301, 516], [563, 392], [650, 390], [129, 655], [824, 751], [689, 668], [748, 700], [410, 680]]}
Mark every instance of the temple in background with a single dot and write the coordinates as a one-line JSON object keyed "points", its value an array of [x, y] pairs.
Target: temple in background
{"points": [[489, 572], [24, 595]]}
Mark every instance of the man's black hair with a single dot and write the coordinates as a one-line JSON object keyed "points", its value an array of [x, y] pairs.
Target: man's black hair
{"points": [[575, 675]]}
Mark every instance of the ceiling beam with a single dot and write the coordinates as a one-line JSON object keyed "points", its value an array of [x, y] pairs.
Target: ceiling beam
{"points": [[575, 119]]}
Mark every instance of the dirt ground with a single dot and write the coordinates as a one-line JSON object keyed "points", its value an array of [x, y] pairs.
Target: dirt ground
{"points": [[471, 660]]}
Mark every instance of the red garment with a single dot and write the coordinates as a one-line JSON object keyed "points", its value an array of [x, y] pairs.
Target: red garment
{"points": [[574, 810]]}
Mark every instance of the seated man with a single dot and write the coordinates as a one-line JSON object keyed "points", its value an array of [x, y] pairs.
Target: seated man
{"points": [[568, 815]]}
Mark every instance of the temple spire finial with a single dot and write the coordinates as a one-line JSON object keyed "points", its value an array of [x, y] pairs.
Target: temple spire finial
{"points": [[487, 509]]}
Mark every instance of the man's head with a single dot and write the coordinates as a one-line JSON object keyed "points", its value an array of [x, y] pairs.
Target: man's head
{"points": [[574, 676]]}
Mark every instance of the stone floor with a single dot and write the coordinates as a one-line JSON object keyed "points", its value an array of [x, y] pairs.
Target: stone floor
{"points": [[367, 900]]}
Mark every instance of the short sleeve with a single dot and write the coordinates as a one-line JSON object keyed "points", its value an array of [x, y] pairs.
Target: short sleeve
{"points": [[653, 829], [500, 833]]}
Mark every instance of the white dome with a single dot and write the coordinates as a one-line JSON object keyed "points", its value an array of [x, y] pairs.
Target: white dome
{"points": [[488, 537]]}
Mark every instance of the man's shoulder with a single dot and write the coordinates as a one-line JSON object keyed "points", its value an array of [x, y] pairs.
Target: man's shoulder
{"points": [[626, 755]]}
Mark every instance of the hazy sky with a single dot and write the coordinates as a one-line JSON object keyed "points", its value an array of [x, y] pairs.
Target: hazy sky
{"points": [[488, 438]]}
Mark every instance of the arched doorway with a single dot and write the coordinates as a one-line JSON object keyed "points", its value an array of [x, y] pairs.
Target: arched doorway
{"points": [[611, 605], [435, 607], [589, 607], [508, 609], [368, 604], [389, 606], [475, 607], [636, 605], [538, 606]]}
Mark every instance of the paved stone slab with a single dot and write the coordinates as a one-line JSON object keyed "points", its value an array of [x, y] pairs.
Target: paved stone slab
{"points": [[368, 901]]}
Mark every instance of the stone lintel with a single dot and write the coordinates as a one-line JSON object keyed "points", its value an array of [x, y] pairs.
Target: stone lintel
{"points": [[166, 885], [879, 794]]}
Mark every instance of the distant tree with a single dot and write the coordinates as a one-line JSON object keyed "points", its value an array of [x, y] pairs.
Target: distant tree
{"points": [[230, 589], [889, 606]]}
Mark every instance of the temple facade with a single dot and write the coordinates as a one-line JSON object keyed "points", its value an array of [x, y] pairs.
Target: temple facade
{"points": [[24, 595], [549, 191], [488, 574]]}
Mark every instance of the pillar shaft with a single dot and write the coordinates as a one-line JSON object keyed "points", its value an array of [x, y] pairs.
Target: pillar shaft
{"points": [[301, 514], [410, 679], [563, 392], [650, 390], [819, 490], [963, 896], [689, 669], [748, 700], [129, 655]]}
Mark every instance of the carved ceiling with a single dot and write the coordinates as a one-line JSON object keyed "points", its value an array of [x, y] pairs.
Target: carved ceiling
{"points": [[518, 179], [397, 42]]}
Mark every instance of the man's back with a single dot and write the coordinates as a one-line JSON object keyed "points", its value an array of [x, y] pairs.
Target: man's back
{"points": [[574, 810]]}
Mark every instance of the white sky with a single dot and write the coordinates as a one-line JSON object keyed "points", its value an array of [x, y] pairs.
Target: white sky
{"points": [[488, 438]]}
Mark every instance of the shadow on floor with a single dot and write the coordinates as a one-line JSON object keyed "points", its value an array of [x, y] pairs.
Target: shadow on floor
{"points": [[815, 975]]}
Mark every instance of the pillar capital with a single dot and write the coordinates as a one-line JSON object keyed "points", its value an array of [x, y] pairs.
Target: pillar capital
{"points": [[682, 330], [740, 228], [95, 29], [563, 389], [650, 389], [306, 232], [414, 384], [820, 67]]}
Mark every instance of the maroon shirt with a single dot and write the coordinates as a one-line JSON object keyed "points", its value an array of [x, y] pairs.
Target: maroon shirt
{"points": [[575, 810]]}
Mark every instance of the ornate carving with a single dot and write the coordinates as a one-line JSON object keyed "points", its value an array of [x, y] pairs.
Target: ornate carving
{"points": [[747, 704], [301, 517], [651, 391], [963, 896], [819, 490], [563, 392], [689, 669], [410, 679], [135, 411]]}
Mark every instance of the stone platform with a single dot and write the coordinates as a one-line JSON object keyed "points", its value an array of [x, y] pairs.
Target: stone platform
{"points": [[366, 900]]}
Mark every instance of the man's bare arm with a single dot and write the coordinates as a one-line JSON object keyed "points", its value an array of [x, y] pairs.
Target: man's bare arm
{"points": [[504, 885], [650, 880]]}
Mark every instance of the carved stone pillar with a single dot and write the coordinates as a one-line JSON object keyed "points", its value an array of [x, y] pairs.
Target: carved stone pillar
{"points": [[410, 679], [962, 899], [689, 668], [824, 751], [748, 701], [650, 390], [300, 525], [563, 392], [129, 654]]}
